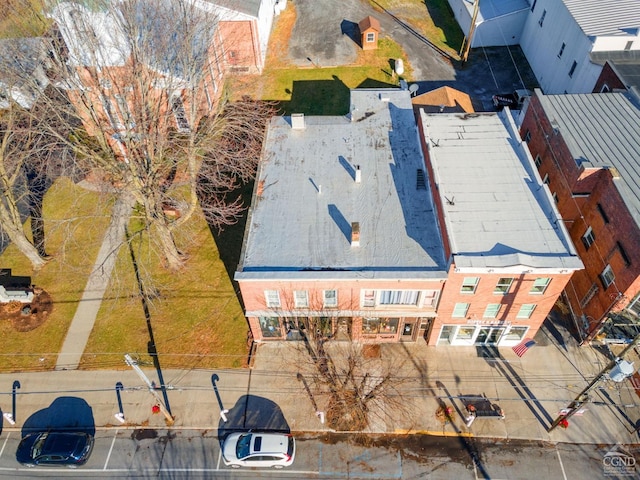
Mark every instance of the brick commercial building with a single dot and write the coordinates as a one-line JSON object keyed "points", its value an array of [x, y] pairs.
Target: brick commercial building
{"points": [[587, 150], [353, 237]]}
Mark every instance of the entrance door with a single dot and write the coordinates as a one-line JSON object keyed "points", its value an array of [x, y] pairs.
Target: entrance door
{"points": [[409, 330], [489, 335]]}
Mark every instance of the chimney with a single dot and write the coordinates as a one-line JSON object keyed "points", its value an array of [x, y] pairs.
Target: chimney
{"points": [[358, 174], [297, 121], [355, 234]]}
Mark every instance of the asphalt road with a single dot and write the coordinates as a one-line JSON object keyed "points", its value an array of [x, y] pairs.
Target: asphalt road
{"points": [[195, 454]]}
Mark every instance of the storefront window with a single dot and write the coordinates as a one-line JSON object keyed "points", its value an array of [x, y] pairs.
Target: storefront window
{"points": [[465, 333], [445, 334], [516, 333], [375, 326], [270, 326]]}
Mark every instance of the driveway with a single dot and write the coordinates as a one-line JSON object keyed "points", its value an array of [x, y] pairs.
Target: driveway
{"points": [[324, 32]]}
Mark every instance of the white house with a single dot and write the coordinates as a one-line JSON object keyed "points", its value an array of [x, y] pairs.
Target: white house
{"points": [[556, 36], [498, 22], [559, 35]]}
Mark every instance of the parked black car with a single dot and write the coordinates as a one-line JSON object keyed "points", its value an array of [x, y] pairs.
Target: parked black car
{"points": [[55, 448]]}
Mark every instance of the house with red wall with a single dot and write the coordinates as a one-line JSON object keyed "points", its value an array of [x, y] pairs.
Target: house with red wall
{"points": [[375, 228], [509, 255], [341, 239], [587, 150]]}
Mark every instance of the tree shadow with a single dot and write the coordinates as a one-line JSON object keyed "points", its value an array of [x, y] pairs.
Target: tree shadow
{"points": [[64, 414], [252, 412]]}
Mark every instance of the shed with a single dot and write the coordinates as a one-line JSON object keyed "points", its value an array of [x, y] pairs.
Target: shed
{"points": [[369, 30], [444, 100]]}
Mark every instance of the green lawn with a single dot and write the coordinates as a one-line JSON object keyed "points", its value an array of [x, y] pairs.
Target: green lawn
{"points": [[75, 218], [195, 315]]}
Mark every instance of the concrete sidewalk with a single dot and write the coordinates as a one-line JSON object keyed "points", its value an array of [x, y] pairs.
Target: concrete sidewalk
{"points": [[530, 390]]}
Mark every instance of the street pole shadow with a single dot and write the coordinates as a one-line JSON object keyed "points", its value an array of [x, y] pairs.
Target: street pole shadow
{"points": [[70, 414], [255, 413], [497, 361]]}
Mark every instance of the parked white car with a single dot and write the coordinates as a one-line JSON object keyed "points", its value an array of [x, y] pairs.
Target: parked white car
{"points": [[252, 449]]}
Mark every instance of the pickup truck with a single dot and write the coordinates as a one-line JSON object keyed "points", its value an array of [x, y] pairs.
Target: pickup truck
{"points": [[513, 100]]}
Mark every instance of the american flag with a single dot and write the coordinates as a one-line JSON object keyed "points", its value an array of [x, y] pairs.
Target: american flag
{"points": [[521, 348]]}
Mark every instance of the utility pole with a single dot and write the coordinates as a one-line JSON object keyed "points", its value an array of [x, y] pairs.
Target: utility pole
{"points": [[583, 396], [152, 390], [466, 44]]}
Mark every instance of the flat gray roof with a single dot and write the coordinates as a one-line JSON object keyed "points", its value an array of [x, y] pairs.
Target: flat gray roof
{"points": [[606, 17], [498, 213], [601, 130], [306, 197]]}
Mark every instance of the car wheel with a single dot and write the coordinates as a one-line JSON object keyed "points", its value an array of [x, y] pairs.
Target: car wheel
{"points": [[72, 466], [29, 465], [235, 466], [278, 466]]}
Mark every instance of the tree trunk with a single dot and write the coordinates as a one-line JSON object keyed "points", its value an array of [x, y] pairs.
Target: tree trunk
{"points": [[172, 255], [23, 244]]}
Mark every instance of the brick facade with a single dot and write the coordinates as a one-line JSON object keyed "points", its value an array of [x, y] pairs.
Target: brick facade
{"points": [[598, 220]]}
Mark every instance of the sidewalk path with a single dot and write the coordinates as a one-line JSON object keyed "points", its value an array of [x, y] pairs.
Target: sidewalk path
{"points": [[531, 390], [85, 316]]}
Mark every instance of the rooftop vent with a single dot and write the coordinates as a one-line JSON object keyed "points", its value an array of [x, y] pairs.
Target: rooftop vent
{"points": [[355, 234], [358, 174], [421, 183], [297, 121]]}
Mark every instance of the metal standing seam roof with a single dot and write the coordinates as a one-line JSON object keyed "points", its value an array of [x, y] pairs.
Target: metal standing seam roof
{"points": [[306, 198], [605, 17], [602, 130], [497, 212]]}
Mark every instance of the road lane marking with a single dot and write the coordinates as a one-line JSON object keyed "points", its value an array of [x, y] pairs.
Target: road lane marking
{"points": [[5, 443], [106, 462]]}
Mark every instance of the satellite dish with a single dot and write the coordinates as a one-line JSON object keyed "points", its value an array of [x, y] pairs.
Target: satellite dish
{"points": [[413, 88]]}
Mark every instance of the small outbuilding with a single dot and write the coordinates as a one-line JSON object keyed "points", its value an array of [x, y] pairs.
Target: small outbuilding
{"points": [[369, 30]]}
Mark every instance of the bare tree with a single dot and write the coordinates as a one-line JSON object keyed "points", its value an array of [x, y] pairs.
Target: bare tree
{"points": [[144, 79]]}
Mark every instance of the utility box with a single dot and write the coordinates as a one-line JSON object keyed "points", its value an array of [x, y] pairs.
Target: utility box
{"points": [[622, 370]]}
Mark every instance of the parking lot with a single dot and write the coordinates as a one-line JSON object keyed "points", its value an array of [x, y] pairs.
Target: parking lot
{"points": [[319, 37]]}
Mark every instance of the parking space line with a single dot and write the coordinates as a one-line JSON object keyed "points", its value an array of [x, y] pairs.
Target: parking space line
{"points": [[5, 443], [106, 462], [564, 475]]}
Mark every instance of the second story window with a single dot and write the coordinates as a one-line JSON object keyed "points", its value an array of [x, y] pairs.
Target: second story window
{"points": [[503, 285], [330, 298], [492, 310], [607, 277], [300, 298], [588, 238], [460, 310], [272, 297]]}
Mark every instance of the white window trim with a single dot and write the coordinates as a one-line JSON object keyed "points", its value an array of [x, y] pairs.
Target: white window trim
{"points": [[588, 238], [301, 299], [604, 276], [334, 301], [371, 37], [455, 307], [371, 298], [522, 313], [495, 314], [498, 284], [474, 285], [272, 301], [179, 113], [539, 284]]}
